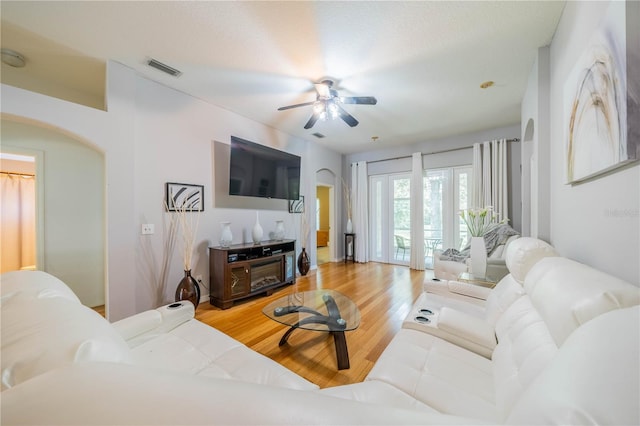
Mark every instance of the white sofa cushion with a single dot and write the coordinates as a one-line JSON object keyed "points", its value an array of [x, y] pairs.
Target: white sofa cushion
{"points": [[377, 392], [507, 291], [42, 334], [594, 379], [579, 294], [440, 374], [525, 252], [525, 348], [41, 285], [196, 348]]}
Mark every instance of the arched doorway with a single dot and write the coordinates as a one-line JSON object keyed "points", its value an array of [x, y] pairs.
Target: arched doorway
{"points": [[70, 229]]}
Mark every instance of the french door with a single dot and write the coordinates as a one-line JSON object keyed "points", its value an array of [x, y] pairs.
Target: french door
{"points": [[445, 194], [390, 218]]}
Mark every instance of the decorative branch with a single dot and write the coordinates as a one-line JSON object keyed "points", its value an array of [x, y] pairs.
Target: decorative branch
{"points": [[157, 276], [189, 225], [304, 229], [347, 198]]}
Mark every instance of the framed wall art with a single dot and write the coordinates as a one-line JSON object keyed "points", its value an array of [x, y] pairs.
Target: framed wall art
{"points": [[179, 195], [297, 206]]}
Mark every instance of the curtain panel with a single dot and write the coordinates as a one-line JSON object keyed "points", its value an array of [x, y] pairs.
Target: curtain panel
{"points": [[490, 177], [18, 215], [416, 206], [360, 203]]}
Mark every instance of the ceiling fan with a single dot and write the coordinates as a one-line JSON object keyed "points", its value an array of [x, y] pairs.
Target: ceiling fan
{"points": [[328, 104]]}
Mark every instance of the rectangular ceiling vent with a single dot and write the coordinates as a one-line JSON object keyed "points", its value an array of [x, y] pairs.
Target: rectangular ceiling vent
{"points": [[318, 135], [164, 68]]}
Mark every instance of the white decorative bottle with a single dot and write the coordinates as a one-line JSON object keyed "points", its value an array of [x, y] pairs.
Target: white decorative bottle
{"points": [[279, 234], [256, 233], [226, 237]]}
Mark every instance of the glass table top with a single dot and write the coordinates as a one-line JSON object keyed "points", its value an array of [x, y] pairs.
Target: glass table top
{"points": [[481, 281], [320, 310]]}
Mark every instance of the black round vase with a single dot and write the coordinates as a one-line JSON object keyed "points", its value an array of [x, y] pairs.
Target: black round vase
{"points": [[303, 262], [188, 289]]}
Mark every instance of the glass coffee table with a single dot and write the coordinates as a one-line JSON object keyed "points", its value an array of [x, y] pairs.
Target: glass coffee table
{"points": [[317, 310]]}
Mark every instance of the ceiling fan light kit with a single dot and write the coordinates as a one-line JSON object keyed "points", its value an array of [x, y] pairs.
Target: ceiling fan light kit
{"points": [[328, 105]]}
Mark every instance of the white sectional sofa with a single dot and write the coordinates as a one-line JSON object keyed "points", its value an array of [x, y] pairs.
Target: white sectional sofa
{"points": [[567, 352]]}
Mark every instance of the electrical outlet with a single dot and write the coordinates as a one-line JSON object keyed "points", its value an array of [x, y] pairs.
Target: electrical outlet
{"points": [[148, 228], [199, 279]]}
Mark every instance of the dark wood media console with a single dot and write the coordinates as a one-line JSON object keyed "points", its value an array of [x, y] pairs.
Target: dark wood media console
{"points": [[245, 270]]}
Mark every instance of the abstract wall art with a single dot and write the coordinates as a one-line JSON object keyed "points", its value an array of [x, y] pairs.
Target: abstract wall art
{"points": [[184, 196], [598, 129]]}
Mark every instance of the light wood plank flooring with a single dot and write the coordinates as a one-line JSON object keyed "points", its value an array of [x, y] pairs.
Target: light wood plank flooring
{"points": [[384, 294]]}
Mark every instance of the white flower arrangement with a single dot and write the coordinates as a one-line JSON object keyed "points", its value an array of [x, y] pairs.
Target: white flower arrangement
{"points": [[481, 221]]}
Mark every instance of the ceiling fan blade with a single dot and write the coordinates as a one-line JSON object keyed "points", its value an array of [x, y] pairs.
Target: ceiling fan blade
{"points": [[346, 117], [295, 106], [362, 100], [312, 121]]}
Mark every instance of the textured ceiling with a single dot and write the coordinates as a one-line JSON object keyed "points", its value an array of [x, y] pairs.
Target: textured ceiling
{"points": [[424, 61]]}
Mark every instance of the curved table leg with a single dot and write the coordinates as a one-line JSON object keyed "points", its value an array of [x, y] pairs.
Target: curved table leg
{"points": [[339, 339], [316, 319], [342, 354]]}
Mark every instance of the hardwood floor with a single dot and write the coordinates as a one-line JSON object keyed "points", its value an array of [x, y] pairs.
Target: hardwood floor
{"points": [[383, 293]]}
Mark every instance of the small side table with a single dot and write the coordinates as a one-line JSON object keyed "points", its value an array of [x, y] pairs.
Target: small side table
{"points": [[349, 247], [467, 277]]}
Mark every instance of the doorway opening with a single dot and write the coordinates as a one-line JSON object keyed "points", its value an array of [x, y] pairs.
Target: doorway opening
{"points": [[18, 212], [323, 219]]}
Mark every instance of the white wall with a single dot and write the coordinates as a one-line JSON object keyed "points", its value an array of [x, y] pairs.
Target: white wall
{"points": [[597, 222], [151, 135]]}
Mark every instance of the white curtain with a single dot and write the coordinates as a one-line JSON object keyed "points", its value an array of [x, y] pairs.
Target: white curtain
{"points": [[416, 260], [490, 179], [18, 241], [359, 202]]}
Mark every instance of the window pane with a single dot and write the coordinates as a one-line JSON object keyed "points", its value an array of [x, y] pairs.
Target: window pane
{"points": [[401, 206]]}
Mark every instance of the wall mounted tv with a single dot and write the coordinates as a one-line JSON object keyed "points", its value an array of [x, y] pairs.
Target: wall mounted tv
{"points": [[260, 171]]}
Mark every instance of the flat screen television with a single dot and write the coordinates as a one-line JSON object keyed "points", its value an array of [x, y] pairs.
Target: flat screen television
{"points": [[260, 171]]}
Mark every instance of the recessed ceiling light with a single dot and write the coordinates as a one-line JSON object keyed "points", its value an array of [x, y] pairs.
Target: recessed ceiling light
{"points": [[487, 84], [12, 58]]}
